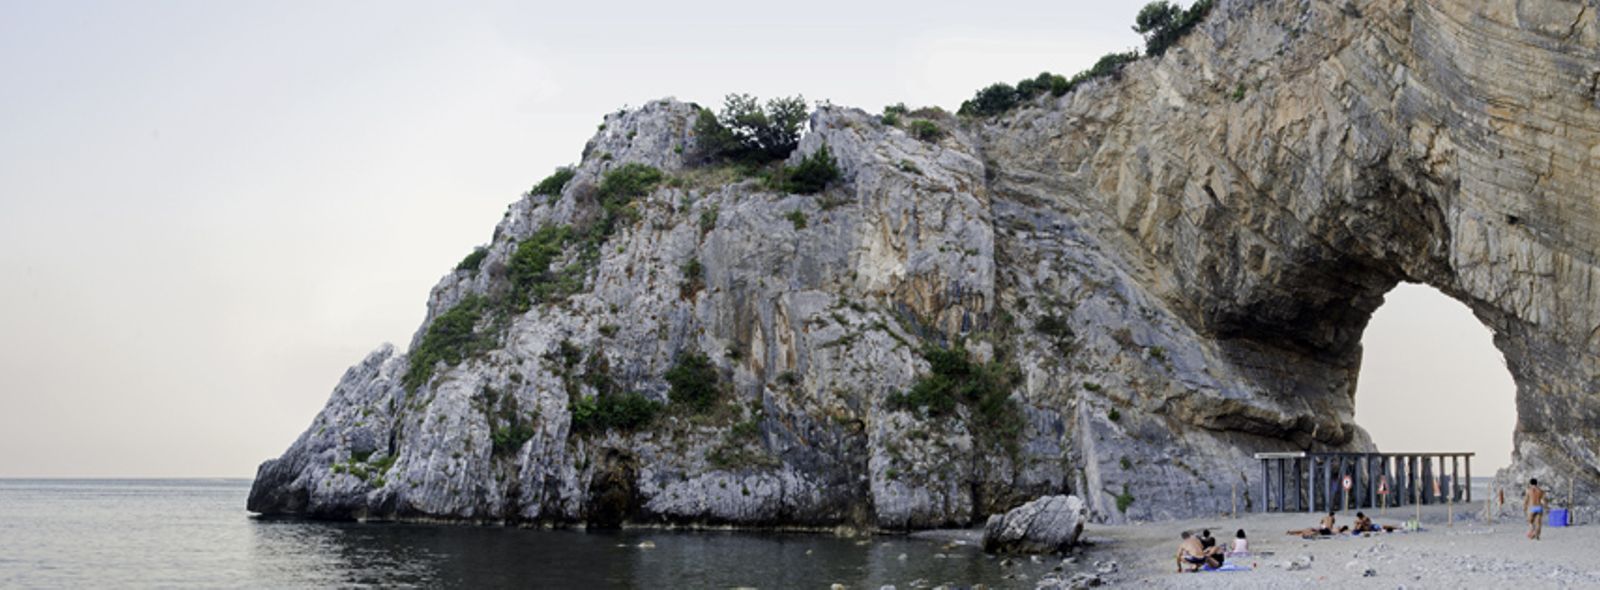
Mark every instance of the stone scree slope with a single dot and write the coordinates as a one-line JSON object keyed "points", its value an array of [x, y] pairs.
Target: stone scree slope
{"points": [[1178, 261]]}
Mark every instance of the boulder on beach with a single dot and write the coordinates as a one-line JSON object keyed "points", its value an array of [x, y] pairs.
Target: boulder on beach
{"points": [[1046, 525]]}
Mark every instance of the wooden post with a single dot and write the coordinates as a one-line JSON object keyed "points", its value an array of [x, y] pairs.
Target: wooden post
{"points": [[1572, 486], [1280, 485], [1450, 511], [1417, 492], [1469, 478], [1488, 505], [1327, 484], [1305, 486], [1266, 498]]}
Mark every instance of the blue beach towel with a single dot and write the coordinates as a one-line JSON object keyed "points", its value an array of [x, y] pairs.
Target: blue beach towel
{"points": [[1227, 567]]}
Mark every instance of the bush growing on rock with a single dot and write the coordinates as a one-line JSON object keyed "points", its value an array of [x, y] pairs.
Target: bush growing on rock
{"points": [[1109, 64], [926, 130], [532, 281], [993, 100], [812, 174], [507, 439], [613, 411], [451, 337], [892, 114], [693, 278], [1055, 84], [1163, 23], [473, 260], [695, 382], [745, 132], [955, 379], [619, 187], [551, 186]]}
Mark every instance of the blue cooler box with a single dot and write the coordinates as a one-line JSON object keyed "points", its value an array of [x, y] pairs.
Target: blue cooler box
{"points": [[1558, 517]]}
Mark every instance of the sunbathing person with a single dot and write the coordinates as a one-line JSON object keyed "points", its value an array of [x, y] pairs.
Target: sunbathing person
{"points": [[1323, 528], [1190, 552]]}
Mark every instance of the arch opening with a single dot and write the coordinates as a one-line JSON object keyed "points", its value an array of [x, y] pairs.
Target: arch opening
{"points": [[1432, 379]]}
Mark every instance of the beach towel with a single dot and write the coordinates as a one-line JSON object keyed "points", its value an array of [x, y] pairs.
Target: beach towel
{"points": [[1227, 567]]}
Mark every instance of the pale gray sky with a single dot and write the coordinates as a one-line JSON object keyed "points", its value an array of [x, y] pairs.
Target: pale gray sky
{"points": [[208, 210]]}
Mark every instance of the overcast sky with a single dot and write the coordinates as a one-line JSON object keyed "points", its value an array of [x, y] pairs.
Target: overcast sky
{"points": [[208, 210]]}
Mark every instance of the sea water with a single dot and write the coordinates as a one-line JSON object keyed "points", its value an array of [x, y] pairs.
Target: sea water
{"points": [[197, 534]]}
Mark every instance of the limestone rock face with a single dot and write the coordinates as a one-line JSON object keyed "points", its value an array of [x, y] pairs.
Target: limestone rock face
{"points": [[1047, 525], [1177, 263]]}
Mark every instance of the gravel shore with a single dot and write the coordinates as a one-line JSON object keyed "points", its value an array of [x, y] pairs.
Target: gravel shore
{"points": [[1471, 553]]}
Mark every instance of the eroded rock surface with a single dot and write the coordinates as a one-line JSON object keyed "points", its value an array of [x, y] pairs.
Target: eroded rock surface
{"points": [[1050, 524], [1178, 262]]}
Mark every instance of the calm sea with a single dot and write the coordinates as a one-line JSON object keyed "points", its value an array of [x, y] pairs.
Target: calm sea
{"points": [[196, 533]]}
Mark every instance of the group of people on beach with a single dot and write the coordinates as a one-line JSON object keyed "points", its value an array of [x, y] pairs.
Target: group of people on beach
{"points": [[1202, 551], [1327, 526]]}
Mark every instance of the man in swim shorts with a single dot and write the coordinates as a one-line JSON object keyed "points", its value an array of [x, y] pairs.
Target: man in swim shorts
{"points": [[1190, 552], [1535, 507]]}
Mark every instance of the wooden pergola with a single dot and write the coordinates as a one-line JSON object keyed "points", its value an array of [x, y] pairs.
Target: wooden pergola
{"points": [[1315, 482]]}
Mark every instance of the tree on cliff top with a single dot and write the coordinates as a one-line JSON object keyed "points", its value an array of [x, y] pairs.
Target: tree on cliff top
{"points": [[747, 133], [1163, 23]]}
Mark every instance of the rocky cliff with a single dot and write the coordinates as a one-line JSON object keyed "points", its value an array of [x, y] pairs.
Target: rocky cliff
{"points": [[1166, 270]]}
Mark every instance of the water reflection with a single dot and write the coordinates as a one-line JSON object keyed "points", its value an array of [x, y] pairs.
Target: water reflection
{"points": [[195, 534], [404, 555]]}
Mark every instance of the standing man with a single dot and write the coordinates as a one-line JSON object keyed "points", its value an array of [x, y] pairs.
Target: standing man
{"points": [[1535, 507]]}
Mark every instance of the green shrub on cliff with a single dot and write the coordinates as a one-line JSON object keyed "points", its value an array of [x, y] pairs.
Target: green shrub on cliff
{"points": [[613, 411], [532, 281], [621, 186], [551, 186], [451, 337], [925, 130], [993, 100], [955, 379], [473, 260], [812, 174], [1163, 23], [695, 382]]}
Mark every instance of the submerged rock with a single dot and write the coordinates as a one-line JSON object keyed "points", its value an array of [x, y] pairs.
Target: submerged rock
{"points": [[1047, 525]]}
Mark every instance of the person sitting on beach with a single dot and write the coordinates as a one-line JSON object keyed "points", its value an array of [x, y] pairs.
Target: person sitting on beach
{"points": [[1535, 508], [1190, 552], [1241, 545], [1364, 524], [1213, 551], [1323, 528]]}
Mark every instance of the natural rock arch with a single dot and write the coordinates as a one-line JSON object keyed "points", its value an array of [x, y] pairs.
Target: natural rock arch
{"points": [[1452, 144], [1177, 261]]}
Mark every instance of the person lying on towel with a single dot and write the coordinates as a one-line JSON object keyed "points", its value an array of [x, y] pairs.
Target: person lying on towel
{"points": [[1323, 528]]}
